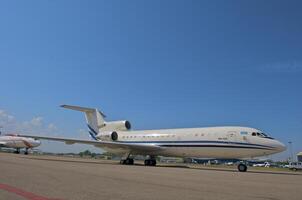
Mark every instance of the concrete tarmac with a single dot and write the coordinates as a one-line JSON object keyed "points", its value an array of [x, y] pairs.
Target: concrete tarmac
{"points": [[50, 177]]}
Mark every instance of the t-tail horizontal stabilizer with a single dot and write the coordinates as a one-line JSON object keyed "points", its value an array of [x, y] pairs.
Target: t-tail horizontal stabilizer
{"points": [[94, 118]]}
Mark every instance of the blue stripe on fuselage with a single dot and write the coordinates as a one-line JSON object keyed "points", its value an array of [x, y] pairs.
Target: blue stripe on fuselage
{"points": [[220, 146], [196, 141]]}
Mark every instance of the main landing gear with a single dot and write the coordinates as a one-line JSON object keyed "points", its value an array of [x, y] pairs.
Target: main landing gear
{"points": [[150, 162], [242, 167], [17, 151], [127, 161], [26, 151]]}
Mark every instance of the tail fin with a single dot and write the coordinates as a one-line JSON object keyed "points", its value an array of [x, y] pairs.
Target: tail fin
{"points": [[94, 118]]}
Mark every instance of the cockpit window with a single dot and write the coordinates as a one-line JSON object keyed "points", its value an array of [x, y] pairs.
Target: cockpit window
{"points": [[263, 135]]}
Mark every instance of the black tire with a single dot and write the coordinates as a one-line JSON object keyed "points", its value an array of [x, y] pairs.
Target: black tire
{"points": [[150, 162], [242, 167], [146, 162], [124, 162], [127, 161]]}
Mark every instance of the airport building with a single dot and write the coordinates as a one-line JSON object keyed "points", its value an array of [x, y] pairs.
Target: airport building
{"points": [[299, 157]]}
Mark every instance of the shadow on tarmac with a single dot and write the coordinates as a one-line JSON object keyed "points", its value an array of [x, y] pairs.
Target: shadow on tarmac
{"points": [[252, 172], [114, 162]]}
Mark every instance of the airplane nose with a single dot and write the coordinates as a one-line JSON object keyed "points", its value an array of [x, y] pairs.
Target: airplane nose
{"points": [[280, 146], [37, 143]]}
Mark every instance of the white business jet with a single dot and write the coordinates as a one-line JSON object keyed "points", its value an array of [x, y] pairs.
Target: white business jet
{"points": [[16, 142], [226, 142]]}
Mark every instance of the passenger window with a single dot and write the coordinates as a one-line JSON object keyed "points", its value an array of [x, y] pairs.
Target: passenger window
{"points": [[253, 134]]}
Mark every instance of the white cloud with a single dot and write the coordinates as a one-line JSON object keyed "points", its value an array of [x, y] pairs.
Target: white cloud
{"points": [[5, 118], [34, 126], [37, 121], [52, 127]]}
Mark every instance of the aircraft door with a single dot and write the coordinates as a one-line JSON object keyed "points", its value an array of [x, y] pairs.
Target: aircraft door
{"points": [[232, 136], [235, 136], [243, 136]]}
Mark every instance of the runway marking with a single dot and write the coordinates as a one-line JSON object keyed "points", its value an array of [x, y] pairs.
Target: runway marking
{"points": [[23, 193]]}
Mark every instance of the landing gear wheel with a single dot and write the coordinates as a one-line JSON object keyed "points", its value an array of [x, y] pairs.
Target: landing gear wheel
{"points": [[150, 162], [242, 167], [128, 161], [17, 151], [146, 162]]}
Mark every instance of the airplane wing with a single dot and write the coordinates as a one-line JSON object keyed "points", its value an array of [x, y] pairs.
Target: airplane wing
{"points": [[141, 149]]}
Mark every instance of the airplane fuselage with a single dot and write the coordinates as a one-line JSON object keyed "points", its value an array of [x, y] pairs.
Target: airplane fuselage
{"points": [[211, 142], [18, 142]]}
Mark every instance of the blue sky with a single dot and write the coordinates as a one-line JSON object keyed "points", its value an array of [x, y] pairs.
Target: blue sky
{"points": [[159, 64]]}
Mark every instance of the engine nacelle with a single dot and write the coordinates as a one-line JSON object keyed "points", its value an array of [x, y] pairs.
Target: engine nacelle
{"points": [[108, 136], [117, 126]]}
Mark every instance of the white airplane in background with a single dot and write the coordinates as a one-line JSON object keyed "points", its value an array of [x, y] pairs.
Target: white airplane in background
{"points": [[17, 142], [227, 142]]}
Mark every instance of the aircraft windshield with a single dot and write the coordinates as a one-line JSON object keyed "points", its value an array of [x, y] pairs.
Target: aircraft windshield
{"points": [[263, 135]]}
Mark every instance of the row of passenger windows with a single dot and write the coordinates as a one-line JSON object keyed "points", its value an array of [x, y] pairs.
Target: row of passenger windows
{"points": [[157, 136], [171, 135], [148, 136]]}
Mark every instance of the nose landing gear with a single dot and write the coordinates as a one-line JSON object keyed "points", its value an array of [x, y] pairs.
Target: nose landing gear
{"points": [[17, 151], [242, 167]]}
